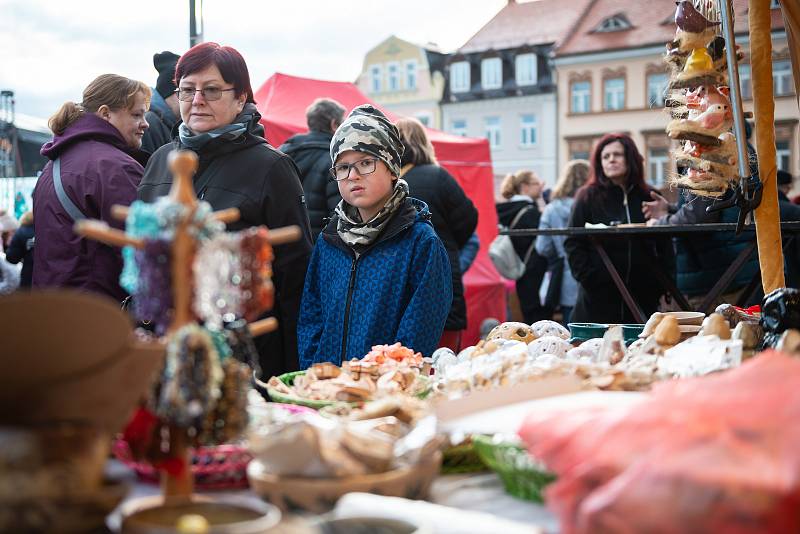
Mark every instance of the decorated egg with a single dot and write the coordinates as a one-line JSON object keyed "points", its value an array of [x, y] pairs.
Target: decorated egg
{"points": [[549, 328]]}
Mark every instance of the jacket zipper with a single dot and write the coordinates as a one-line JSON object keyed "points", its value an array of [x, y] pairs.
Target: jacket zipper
{"points": [[350, 288]]}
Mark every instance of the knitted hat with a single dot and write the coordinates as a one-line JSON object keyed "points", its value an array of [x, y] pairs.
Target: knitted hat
{"points": [[165, 65], [784, 178], [368, 130]]}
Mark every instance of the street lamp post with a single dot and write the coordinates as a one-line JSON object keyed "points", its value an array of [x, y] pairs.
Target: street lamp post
{"points": [[195, 22]]}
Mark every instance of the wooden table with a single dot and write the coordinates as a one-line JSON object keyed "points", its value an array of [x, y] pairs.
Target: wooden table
{"points": [[597, 236]]}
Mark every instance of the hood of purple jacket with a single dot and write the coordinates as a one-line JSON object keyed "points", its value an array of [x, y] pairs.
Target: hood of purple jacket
{"points": [[90, 127], [98, 170]]}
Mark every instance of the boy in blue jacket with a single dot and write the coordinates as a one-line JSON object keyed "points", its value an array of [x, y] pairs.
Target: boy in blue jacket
{"points": [[379, 274]]}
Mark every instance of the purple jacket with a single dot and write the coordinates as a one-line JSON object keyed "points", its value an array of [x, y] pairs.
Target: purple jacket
{"points": [[98, 170]]}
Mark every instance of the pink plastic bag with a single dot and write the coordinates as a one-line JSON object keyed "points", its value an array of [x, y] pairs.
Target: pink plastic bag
{"points": [[719, 453]]}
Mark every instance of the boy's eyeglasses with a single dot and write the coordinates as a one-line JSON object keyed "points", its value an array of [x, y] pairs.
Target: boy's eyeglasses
{"points": [[363, 167], [209, 93]]}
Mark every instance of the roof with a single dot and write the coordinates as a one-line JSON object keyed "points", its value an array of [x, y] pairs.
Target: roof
{"points": [[652, 24], [533, 23], [31, 123]]}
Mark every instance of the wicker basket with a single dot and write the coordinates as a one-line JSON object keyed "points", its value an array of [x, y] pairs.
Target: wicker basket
{"points": [[522, 476], [288, 379], [319, 495], [462, 459]]}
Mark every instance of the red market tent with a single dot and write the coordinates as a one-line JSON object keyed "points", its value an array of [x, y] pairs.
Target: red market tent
{"points": [[282, 101]]}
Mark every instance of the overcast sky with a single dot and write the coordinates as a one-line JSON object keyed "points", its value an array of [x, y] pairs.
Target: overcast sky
{"points": [[50, 50]]}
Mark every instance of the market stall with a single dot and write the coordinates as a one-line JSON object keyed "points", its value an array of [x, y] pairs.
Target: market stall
{"points": [[683, 422]]}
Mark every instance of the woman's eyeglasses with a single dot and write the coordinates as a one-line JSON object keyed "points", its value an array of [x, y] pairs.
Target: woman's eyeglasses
{"points": [[186, 94], [363, 167]]}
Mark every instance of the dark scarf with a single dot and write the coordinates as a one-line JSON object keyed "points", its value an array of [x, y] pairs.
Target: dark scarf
{"points": [[231, 131], [355, 232]]}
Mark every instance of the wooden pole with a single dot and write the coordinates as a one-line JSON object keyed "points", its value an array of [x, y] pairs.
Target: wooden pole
{"points": [[183, 164], [768, 229]]}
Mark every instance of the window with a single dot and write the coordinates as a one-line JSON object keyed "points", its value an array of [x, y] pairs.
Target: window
{"points": [[782, 77], [658, 166], [614, 23], [527, 130], [744, 81], [493, 131], [492, 73], [411, 74], [579, 97], [459, 77], [375, 76], [423, 117], [657, 89], [526, 69], [783, 155], [614, 94], [393, 76], [458, 127]]}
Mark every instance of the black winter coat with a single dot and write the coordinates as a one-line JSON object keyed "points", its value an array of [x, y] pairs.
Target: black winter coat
{"points": [[599, 299], [530, 282], [506, 211], [21, 250], [161, 121], [251, 175], [311, 154], [454, 218]]}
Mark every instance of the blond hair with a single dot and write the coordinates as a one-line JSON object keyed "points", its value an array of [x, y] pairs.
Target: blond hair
{"points": [[513, 182], [418, 148], [112, 90], [573, 176]]}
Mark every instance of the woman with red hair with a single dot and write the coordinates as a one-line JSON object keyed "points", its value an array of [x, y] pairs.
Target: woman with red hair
{"points": [[614, 195], [239, 169]]}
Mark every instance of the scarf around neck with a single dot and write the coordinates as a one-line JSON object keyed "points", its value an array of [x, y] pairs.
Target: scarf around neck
{"points": [[354, 231], [231, 131]]}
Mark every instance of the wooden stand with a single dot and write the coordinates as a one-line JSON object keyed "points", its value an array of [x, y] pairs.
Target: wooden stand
{"points": [[183, 165]]}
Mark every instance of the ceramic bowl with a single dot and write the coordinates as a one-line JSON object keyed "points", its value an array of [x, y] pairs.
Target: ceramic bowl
{"points": [[581, 332], [687, 317], [630, 332]]}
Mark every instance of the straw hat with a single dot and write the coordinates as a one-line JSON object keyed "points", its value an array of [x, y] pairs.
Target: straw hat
{"points": [[71, 356]]}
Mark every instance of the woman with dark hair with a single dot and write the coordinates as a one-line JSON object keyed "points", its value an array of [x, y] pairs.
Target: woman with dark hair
{"points": [[238, 169], [453, 214], [614, 195]]}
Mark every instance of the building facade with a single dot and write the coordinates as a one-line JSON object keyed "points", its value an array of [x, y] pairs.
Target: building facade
{"points": [[611, 77], [500, 85], [405, 78]]}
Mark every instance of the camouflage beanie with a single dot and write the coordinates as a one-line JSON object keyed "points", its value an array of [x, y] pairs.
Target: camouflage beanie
{"points": [[368, 130]]}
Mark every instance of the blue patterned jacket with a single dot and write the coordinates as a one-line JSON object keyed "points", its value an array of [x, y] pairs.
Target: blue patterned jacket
{"points": [[397, 289]]}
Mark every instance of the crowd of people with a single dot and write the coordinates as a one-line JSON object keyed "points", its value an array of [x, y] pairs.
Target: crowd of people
{"points": [[386, 232]]}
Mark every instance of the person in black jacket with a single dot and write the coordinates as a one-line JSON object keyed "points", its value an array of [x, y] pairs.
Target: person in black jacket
{"points": [[522, 191], [238, 169], [21, 249], [311, 154], [164, 111], [614, 195], [454, 216]]}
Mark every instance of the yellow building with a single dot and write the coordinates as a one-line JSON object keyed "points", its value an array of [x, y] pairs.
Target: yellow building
{"points": [[405, 78], [611, 78]]}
